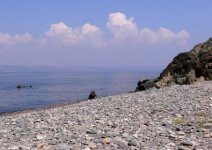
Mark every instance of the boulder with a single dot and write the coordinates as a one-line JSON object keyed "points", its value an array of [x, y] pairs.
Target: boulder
{"points": [[92, 95], [145, 84], [190, 77], [181, 80]]}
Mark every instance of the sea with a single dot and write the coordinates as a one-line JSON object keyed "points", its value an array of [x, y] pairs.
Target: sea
{"points": [[53, 86]]}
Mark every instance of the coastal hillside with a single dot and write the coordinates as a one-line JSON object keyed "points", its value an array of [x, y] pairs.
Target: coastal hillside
{"points": [[188, 66], [185, 68]]}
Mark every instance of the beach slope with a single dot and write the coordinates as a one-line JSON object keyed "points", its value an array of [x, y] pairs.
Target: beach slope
{"points": [[175, 117]]}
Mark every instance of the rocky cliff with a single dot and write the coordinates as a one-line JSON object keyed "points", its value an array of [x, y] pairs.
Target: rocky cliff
{"points": [[185, 68]]}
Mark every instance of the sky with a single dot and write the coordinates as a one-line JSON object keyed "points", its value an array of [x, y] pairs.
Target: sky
{"points": [[136, 34]]}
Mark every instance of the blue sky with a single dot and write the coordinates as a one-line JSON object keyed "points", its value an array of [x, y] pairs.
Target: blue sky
{"points": [[119, 34]]}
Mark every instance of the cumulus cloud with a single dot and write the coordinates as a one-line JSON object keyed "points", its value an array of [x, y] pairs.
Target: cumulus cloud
{"points": [[121, 27], [163, 35], [86, 34], [123, 30], [7, 39]]}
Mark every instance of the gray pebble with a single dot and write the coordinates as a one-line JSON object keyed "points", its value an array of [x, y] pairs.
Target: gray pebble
{"points": [[133, 142]]}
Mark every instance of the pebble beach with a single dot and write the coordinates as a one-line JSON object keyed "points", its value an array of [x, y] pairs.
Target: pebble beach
{"points": [[178, 117]]}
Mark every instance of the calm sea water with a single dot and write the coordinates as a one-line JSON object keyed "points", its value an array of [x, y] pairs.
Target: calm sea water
{"points": [[55, 87]]}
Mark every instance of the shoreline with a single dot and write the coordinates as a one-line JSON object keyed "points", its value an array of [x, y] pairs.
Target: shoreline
{"points": [[174, 117], [56, 105]]}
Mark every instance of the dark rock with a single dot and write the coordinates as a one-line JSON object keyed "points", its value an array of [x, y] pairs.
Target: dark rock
{"points": [[188, 66], [18, 87], [91, 131], [186, 143], [188, 79], [164, 124], [92, 95], [185, 68], [180, 67], [145, 84], [178, 129], [23, 86]]}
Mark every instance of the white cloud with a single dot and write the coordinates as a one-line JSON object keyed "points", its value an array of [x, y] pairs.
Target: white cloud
{"points": [[163, 35], [124, 29], [121, 27], [124, 32], [86, 34], [7, 39]]}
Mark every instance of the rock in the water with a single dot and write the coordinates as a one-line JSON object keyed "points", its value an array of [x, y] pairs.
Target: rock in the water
{"points": [[92, 95], [18, 86], [23, 86]]}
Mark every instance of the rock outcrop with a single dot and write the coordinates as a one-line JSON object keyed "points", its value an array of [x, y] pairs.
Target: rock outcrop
{"points": [[181, 70], [185, 68]]}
